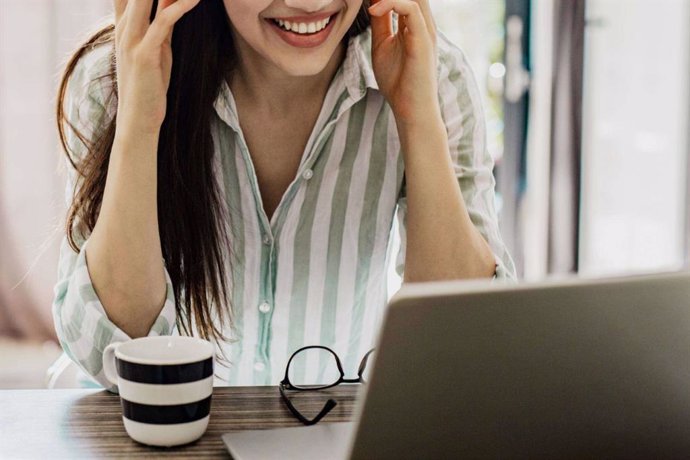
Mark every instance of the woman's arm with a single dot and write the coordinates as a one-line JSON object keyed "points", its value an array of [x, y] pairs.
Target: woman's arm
{"points": [[124, 255], [442, 242], [440, 128]]}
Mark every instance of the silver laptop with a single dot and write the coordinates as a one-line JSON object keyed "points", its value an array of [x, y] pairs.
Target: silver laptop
{"points": [[571, 368]]}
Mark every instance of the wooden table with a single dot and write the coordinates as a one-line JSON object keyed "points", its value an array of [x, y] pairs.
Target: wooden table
{"points": [[88, 423]]}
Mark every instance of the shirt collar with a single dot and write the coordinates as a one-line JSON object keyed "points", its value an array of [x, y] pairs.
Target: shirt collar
{"points": [[357, 74], [357, 66]]}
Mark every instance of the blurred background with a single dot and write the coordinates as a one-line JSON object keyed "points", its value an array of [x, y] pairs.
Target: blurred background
{"points": [[587, 112]]}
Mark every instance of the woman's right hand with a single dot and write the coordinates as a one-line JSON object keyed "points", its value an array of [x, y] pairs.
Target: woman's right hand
{"points": [[143, 56]]}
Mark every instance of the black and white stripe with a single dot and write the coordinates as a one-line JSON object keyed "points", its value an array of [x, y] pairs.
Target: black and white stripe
{"points": [[164, 374], [159, 398], [166, 415]]}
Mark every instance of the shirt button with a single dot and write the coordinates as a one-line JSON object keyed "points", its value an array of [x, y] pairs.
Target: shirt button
{"points": [[266, 239], [308, 174], [259, 367], [264, 307]]}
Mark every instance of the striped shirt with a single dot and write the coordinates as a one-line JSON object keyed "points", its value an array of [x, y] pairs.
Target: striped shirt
{"points": [[316, 272]]}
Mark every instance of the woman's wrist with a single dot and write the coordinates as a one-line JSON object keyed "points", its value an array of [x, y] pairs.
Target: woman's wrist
{"points": [[138, 120], [422, 134], [419, 122], [132, 133]]}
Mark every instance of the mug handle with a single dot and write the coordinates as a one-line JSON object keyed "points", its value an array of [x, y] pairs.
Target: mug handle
{"points": [[109, 368]]}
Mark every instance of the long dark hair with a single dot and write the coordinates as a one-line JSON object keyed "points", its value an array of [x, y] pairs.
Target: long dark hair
{"points": [[192, 220]]}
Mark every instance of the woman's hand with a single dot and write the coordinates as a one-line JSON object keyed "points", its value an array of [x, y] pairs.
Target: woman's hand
{"points": [[405, 62], [143, 56]]}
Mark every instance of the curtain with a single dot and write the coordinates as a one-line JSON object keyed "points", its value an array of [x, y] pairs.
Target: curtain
{"points": [[566, 135]]}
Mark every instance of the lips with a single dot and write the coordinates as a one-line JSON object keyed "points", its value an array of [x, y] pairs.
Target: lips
{"points": [[307, 19], [304, 40]]}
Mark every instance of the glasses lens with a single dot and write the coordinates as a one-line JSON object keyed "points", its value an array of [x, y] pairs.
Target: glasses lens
{"points": [[368, 367], [314, 367]]}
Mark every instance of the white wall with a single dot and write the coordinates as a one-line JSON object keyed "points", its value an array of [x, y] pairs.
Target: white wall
{"points": [[35, 38]]}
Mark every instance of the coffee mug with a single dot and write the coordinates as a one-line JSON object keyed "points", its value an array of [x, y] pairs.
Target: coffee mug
{"points": [[165, 385]]}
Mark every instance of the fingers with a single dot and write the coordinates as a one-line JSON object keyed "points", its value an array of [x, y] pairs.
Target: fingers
{"points": [[138, 14], [428, 17], [381, 26], [163, 4], [119, 7], [410, 16], [162, 26]]}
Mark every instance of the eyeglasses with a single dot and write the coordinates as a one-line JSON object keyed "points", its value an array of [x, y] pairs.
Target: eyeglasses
{"points": [[300, 377]]}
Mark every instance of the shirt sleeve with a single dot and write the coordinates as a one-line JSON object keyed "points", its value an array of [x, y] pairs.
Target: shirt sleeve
{"points": [[462, 112], [81, 323]]}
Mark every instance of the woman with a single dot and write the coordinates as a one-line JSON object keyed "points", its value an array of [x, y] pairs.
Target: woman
{"points": [[238, 180]]}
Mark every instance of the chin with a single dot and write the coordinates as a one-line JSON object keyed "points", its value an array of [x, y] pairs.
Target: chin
{"points": [[307, 67]]}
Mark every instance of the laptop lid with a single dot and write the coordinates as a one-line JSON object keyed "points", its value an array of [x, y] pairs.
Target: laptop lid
{"points": [[574, 368]]}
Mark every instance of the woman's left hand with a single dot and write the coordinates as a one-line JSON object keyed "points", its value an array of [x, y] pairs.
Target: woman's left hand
{"points": [[405, 62]]}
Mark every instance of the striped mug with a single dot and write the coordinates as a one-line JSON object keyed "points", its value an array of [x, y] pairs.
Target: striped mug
{"points": [[165, 385]]}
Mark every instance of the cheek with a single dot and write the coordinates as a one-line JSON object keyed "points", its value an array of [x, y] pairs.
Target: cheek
{"points": [[237, 11], [356, 5], [353, 8], [243, 13], [244, 17]]}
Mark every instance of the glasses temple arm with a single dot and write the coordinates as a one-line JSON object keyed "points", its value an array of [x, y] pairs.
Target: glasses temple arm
{"points": [[330, 404]]}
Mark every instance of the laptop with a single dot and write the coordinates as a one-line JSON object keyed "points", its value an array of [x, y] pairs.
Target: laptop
{"points": [[570, 368]]}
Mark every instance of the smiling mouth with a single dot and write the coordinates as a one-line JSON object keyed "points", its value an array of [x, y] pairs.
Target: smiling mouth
{"points": [[302, 28]]}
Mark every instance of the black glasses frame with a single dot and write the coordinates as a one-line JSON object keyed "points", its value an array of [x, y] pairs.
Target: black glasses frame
{"points": [[285, 384]]}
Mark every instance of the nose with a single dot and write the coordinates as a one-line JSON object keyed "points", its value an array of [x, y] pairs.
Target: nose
{"points": [[309, 6]]}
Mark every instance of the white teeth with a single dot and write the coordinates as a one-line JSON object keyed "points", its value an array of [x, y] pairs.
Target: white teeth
{"points": [[303, 28]]}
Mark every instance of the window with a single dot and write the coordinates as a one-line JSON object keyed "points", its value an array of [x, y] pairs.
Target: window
{"points": [[635, 140]]}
